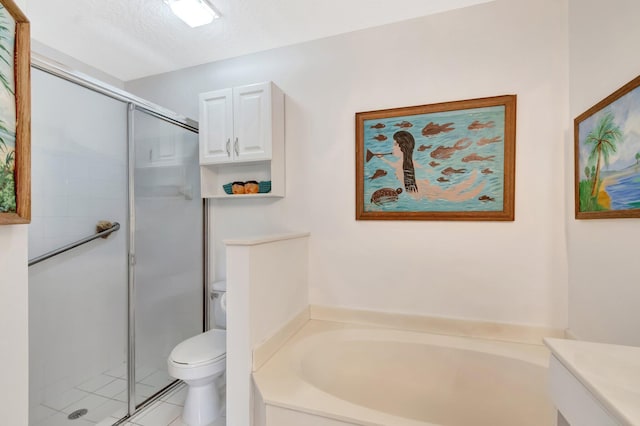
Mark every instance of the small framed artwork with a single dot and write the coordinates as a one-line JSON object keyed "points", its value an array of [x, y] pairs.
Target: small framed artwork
{"points": [[446, 161], [15, 115], [607, 156]]}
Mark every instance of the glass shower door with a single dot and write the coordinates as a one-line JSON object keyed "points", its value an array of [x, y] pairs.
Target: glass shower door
{"points": [[77, 299], [168, 269]]}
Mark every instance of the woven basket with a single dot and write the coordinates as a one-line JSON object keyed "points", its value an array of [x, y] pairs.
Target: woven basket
{"points": [[263, 187]]}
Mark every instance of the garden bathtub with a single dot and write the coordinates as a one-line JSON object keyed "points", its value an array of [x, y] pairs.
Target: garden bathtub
{"points": [[360, 375]]}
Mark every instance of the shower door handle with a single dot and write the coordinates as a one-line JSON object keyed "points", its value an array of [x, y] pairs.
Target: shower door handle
{"points": [[235, 147], [229, 147]]}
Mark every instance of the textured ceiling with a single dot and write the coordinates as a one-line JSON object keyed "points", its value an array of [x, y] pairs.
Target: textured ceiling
{"points": [[131, 39]]}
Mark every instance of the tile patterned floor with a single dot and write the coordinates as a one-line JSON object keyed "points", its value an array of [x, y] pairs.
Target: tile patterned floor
{"points": [[165, 412], [105, 397]]}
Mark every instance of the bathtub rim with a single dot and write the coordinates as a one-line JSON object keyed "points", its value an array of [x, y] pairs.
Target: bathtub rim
{"points": [[481, 329], [277, 381]]}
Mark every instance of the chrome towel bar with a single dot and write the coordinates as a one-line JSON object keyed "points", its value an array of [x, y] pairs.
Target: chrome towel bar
{"points": [[102, 234]]}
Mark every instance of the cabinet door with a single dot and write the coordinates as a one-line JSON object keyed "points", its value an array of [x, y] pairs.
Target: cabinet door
{"points": [[252, 122], [216, 126]]}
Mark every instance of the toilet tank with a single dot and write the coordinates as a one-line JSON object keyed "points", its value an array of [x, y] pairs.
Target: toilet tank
{"points": [[217, 315]]}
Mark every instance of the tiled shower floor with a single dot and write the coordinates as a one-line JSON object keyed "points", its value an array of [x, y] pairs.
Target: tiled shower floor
{"points": [[165, 412], [104, 396]]}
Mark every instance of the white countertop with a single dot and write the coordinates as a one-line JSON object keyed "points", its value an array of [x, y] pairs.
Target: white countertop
{"points": [[610, 372]]}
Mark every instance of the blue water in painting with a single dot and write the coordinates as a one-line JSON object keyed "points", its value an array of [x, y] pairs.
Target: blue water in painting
{"points": [[625, 193], [471, 184]]}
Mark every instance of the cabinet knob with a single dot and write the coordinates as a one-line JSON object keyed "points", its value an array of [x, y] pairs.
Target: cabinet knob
{"points": [[229, 147], [235, 147]]}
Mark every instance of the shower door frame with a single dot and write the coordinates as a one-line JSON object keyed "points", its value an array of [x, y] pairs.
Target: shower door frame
{"points": [[134, 103]]}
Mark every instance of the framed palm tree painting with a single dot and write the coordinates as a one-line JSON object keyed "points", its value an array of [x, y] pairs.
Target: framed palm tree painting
{"points": [[607, 156], [15, 105]]}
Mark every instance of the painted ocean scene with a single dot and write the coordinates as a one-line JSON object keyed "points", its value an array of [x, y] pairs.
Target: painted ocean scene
{"points": [[450, 161], [609, 157], [7, 113]]}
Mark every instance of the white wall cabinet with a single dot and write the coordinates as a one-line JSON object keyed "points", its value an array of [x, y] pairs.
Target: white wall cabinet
{"points": [[242, 138]]}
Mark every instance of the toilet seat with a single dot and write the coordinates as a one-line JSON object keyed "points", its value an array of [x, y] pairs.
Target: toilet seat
{"points": [[200, 350], [199, 357]]}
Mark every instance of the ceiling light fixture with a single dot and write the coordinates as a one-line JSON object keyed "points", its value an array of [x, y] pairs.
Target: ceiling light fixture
{"points": [[193, 12]]}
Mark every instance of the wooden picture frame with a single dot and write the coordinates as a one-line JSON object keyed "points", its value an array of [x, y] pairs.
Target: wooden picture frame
{"points": [[15, 115], [445, 161], [607, 156]]}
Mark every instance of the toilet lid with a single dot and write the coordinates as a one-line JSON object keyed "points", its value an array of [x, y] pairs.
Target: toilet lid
{"points": [[202, 348]]}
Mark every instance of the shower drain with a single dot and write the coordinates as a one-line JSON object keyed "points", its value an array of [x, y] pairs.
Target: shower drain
{"points": [[77, 414]]}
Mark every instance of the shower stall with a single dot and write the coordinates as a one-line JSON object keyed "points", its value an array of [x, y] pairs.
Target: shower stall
{"points": [[105, 311]]}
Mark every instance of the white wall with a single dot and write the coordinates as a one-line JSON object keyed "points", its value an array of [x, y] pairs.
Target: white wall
{"points": [[14, 341], [270, 289], [604, 294], [14, 320], [275, 299], [514, 272]]}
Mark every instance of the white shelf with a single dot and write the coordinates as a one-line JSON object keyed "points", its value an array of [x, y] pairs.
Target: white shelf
{"points": [[213, 176], [258, 195]]}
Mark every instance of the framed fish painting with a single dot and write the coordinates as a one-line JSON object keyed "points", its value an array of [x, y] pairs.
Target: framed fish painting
{"points": [[446, 161], [607, 156], [15, 115]]}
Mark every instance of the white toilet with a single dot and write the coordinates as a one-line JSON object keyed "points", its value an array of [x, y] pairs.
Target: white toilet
{"points": [[200, 361]]}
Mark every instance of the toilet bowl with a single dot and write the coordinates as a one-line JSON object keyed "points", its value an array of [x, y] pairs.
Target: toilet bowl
{"points": [[199, 361]]}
